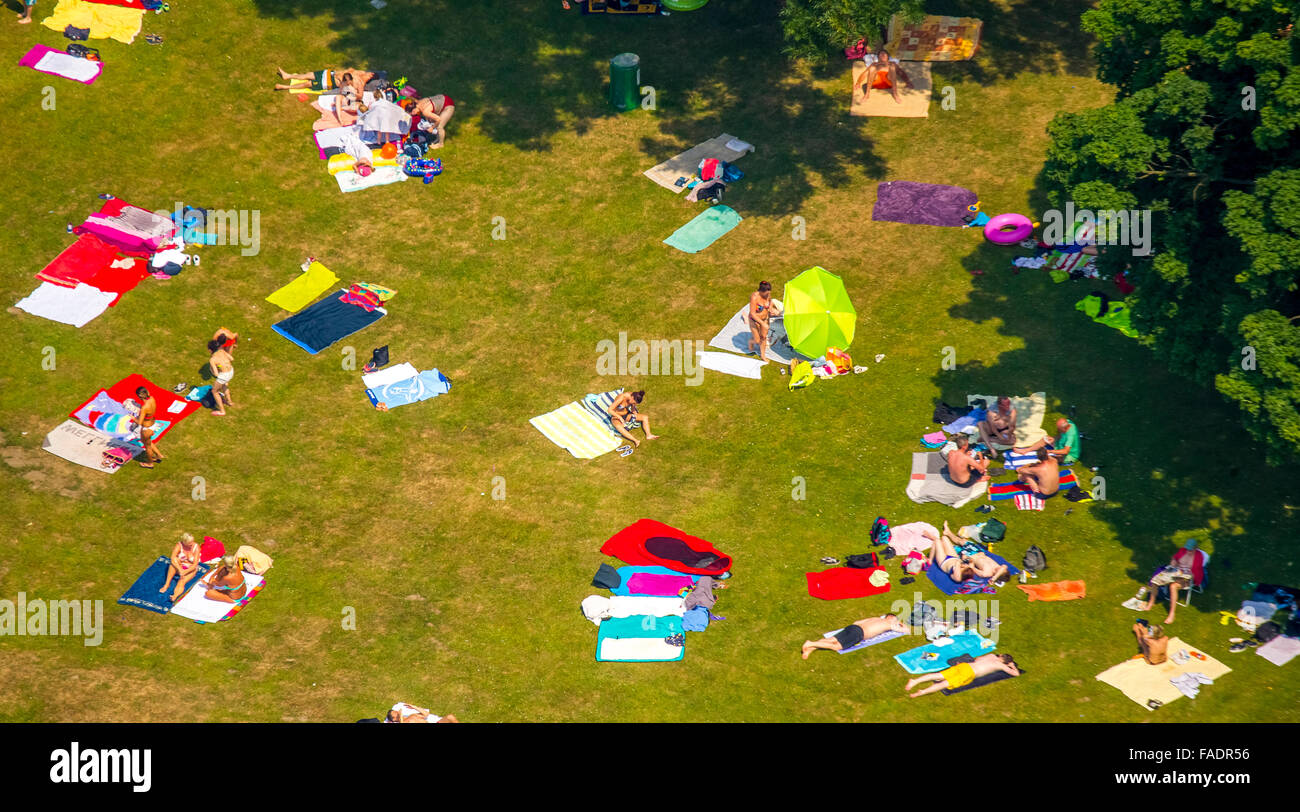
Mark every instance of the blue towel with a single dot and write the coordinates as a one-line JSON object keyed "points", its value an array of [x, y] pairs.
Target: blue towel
{"points": [[144, 593], [965, 642], [948, 586]]}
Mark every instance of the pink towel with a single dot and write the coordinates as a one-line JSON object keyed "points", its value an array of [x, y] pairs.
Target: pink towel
{"points": [[644, 583]]}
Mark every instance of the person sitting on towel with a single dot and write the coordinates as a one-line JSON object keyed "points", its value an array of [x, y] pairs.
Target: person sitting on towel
{"points": [[406, 713], [1152, 641], [759, 317], [882, 73], [226, 583], [965, 465], [184, 565], [1044, 476], [623, 411], [1064, 446], [963, 674], [999, 425], [850, 636]]}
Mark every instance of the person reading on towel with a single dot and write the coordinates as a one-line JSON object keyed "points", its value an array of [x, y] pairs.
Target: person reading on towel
{"points": [[623, 411], [184, 565], [965, 465], [999, 425], [850, 636], [1042, 477], [1064, 446], [222, 365], [226, 583], [148, 408], [1152, 641], [1176, 575], [759, 317], [883, 73], [963, 674], [434, 113], [406, 713]]}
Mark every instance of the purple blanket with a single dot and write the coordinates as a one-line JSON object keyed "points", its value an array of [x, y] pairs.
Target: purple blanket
{"points": [[926, 204]]}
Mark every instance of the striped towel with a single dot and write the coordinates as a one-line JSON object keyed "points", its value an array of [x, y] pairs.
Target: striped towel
{"points": [[582, 428], [1010, 490], [1028, 501]]}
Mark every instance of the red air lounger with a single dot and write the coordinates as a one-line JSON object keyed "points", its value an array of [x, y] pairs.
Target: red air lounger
{"points": [[651, 543]]}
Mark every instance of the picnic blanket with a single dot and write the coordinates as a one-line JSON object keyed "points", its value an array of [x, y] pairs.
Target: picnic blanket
{"points": [[634, 581], [929, 482], [194, 606], [934, 38], [736, 334], [1055, 591], [77, 306], [305, 288], [839, 583], [427, 384], [1029, 416], [914, 94], [144, 594], [104, 21], [60, 63], [685, 165], [928, 204], [1142, 682], [933, 657], [729, 364], [948, 586], [870, 641], [579, 429], [85, 446], [1010, 490], [1280, 650], [704, 229], [638, 639], [326, 322]]}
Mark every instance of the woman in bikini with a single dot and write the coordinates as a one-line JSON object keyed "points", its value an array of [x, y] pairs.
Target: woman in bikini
{"points": [[226, 583], [184, 565], [434, 113]]}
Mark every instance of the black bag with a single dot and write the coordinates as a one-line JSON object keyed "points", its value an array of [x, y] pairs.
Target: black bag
{"points": [[862, 561], [1035, 559], [76, 34], [993, 531]]}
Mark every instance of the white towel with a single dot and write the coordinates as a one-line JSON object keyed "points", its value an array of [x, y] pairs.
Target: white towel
{"points": [[76, 306], [731, 364]]}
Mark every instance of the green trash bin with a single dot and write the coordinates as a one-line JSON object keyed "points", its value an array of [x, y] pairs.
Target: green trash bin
{"points": [[625, 82]]}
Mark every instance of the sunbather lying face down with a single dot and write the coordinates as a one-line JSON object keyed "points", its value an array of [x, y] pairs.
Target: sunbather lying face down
{"points": [[963, 674], [850, 636]]}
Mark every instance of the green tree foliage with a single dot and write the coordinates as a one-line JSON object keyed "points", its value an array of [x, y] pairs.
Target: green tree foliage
{"points": [[815, 29], [1205, 133]]}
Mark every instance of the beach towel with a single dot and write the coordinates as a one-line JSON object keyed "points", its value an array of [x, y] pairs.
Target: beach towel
{"points": [[929, 204], [1055, 591], [134, 230], [914, 94], [326, 322], [686, 164], [931, 657], [1142, 682], [945, 584], [76, 443], [1280, 650], [980, 682], [840, 583], [627, 573], [736, 334], [638, 638], [578, 429], [934, 38], [144, 594], [704, 229], [60, 63], [653, 543], [731, 364], [1029, 416], [77, 306], [912, 537], [194, 606], [428, 384], [104, 21], [350, 181], [1010, 490], [305, 288], [870, 641], [929, 482]]}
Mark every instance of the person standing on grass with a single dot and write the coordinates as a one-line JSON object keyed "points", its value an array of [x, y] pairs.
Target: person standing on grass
{"points": [[148, 431], [222, 364], [26, 16]]}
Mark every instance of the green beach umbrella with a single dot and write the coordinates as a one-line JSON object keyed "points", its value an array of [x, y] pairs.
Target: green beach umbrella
{"points": [[818, 313]]}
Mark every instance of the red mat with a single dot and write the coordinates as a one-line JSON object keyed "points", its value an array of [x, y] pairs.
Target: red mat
{"points": [[843, 582], [650, 543], [126, 387]]}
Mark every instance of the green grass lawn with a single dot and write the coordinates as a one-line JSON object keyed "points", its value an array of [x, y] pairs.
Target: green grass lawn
{"points": [[468, 604]]}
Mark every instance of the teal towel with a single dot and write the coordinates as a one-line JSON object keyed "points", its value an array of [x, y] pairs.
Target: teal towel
{"points": [[700, 233]]}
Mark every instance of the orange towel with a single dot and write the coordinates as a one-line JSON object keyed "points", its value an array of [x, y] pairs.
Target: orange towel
{"points": [[1055, 591]]}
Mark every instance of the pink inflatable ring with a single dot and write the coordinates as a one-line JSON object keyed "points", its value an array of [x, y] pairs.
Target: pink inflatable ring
{"points": [[1006, 229]]}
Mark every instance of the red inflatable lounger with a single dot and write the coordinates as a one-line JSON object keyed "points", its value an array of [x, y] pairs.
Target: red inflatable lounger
{"points": [[651, 543]]}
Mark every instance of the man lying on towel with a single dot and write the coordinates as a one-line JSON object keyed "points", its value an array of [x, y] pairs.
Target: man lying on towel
{"points": [[963, 674], [851, 635], [882, 73], [1044, 476], [965, 465]]}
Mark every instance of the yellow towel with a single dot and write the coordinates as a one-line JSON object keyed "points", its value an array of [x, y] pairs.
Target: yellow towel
{"points": [[104, 22], [300, 292]]}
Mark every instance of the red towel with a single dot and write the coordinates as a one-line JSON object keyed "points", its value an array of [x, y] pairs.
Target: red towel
{"points": [[843, 582]]}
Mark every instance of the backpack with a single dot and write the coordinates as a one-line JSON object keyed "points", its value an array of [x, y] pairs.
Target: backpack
{"points": [[993, 531], [1035, 559], [880, 533]]}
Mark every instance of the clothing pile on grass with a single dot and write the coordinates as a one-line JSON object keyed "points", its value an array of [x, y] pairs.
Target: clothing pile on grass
{"points": [[335, 317], [116, 248], [665, 589], [152, 591]]}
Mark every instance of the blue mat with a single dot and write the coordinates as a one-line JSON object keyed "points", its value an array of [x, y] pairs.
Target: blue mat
{"points": [[428, 384], [627, 572], [948, 586], [144, 593], [966, 642]]}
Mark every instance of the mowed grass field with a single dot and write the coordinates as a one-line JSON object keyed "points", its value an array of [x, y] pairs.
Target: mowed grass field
{"points": [[468, 604]]}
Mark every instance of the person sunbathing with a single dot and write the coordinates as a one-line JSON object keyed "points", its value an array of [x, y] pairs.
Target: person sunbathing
{"points": [[184, 565], [851, 635], [1042, 477], [1152, 642], [999, 425], [406, 713], [434, 113], [226, 583], [623, 412], [963, 674], [759, 318], [965, 466], [883, 73]]}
